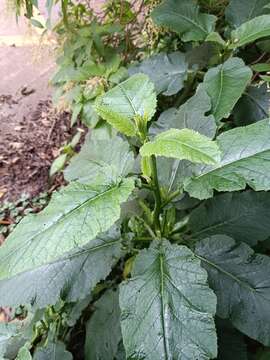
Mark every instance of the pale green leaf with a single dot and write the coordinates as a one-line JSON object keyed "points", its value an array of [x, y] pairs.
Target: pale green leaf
{"points": [[53, 351], [225, 84], [183, 144], [245, 160], [103, 332], [250, 31], [216, 38], [184, 17], [241, 281], [24, 354], [191, 115], [254, 105], [261, 67], [75, 215], [167, 71], [133, 97], [102, 161], [71, 277], [243, 216], [167, 307], [240, 11], [58, 164]]}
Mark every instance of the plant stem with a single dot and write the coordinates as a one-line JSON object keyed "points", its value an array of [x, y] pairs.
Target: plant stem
{"points": [[157, 195]]}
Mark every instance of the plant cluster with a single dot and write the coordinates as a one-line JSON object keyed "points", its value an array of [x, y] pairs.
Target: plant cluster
{"points": [[158, 248]]}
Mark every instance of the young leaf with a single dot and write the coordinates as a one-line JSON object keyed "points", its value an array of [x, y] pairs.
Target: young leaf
{"points": [[75, 215], [167, 71], [100, 161], [253, 106], [24, 354], [245, 155], [133, 97], [241, 281], [190, 115], [183, 144], [250, 31], [167, 307], [240, 11], [243, 216], [72, 277], [184, 18], [225, 84], [53, 351], [103, 331]]}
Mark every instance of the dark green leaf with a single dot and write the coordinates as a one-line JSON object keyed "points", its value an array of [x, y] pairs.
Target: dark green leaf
{"points": [[167, 307], [240, 11], [100, 161], [71, 277], [103, 332], [241, 281], [53, 351], [225, 84], [245, 159], [243, 216], [167, 71], [253, 106], [75, 215], [191, 115], [184, 17], [250, 31]]}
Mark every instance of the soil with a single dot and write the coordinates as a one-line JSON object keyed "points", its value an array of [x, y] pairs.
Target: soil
{"points": [[27, 151]]}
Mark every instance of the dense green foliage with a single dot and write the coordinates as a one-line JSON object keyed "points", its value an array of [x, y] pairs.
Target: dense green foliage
{"points": [[158, 248]]}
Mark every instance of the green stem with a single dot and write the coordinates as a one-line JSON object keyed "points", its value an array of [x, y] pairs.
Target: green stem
{"points": [[157, 195]]}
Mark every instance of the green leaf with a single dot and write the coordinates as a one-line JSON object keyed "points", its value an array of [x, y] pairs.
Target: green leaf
{"points": [[75, 215], [231, 343], [243, 216], [24, 354], [58, 164], [167, 307], [76, 110], [261, 67], [250, 31], [183, 144], [241, 281], [103, 331], [240, 11], [101, 161], [71, 277], [216, 38], [191, 115], [253, 106], [204, 55], [225, 84], [128, 100], [53, 351], [245, 155], [167, 71], [184, 18], [7, 333]]}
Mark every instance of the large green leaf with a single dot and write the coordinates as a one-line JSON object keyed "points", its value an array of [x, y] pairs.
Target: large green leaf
{"points": [[167, 307], [184, 18], [243, 216], [7, 333], [253, 106], [241, 281], [240, 11], [133, 97], [53, 351], [75, 215], [191, 115], [101, 161], [225, 84], [245, 159], [103, 331], [183, 144], [250, 31], [72, 277], [167, 71]]}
